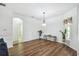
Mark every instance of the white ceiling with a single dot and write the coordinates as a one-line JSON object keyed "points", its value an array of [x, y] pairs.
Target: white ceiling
{"points": [[36, 9]]}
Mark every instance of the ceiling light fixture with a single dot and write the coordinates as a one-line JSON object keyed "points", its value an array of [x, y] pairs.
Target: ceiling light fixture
{"points": [[44, 22]]}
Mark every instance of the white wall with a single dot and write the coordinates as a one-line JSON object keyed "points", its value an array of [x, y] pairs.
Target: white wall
{"points": [[55, 24], [78, 28], [31, 26], [74, 35], [6, 25]]}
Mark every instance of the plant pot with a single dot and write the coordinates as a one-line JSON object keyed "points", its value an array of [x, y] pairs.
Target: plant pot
{"points": [[63, 40]]}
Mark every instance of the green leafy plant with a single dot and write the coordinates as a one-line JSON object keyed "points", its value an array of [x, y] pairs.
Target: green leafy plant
{"points": [[40, 33], [64, 34]]}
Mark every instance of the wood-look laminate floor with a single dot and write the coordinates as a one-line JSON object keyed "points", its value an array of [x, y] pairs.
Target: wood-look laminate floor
{"points": [[41, 48]]}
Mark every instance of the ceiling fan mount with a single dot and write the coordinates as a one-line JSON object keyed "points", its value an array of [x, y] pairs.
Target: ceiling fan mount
{"points": [[2, 4]]}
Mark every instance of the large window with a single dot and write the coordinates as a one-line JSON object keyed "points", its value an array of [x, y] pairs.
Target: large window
{"points": [[68, 24]]}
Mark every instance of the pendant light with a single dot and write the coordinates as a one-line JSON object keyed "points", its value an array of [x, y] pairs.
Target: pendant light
{"points": [[44, 22]]}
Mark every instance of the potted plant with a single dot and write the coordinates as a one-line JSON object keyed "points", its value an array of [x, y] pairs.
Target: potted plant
{"points": [[64, 35], [40, 33]]}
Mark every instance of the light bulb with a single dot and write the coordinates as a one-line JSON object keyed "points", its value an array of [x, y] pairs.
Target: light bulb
{"points": [[43, 24]]}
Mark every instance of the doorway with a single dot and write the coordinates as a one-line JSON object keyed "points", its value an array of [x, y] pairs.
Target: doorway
{"points": [[17, 30]]}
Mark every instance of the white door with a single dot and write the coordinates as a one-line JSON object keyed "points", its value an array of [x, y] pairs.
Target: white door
{"points": [[17, 30]]}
